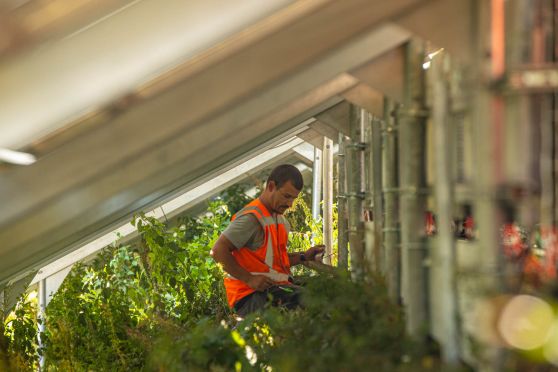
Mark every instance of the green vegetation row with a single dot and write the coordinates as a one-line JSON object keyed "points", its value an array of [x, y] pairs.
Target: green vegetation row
{"points": [[159, 305]]}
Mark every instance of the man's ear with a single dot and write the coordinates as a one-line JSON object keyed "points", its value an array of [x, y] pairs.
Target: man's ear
{"points": [[270, 186]]}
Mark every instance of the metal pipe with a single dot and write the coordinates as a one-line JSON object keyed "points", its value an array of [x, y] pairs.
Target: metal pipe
{"points": [[342, 216], [373, 187], [355, 195], [42, 297], [377, 188], [444, 186], [412, 170], [486, 157], [368, 205], [327, 156], [390, 181], [316, 184]]}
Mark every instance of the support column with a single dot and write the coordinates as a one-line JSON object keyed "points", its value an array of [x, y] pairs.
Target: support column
{"points": [[355, 193], [378, 207], [316, 183], [487, 122], [42, 297], [327, 155], [444, 193], [374, 198], [412, 170], [390, 185], [342, 215], [368, 205]]}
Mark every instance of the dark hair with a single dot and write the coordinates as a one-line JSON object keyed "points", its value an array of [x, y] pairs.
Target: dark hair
{"points": [[286, 172]]}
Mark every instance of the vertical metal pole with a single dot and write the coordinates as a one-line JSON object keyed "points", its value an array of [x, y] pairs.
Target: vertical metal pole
{"points": [[390, 185], [316, 184], [42, 296], [3, 309], [412, 170], [486, 126], [327, 155], [342, 216], [377, 189], [444, 187], [355, 194], [373, 164], [369, 226]]}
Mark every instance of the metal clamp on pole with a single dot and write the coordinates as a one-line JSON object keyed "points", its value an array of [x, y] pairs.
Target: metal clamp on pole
{"points": [[357, 145], [414, 112], [360, 195], [390, 129]]}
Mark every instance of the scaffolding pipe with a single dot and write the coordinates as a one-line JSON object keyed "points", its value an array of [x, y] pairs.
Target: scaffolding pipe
{"points": [[412, 170], [373, 164], [369, 234], [486, 126], [316, 184], [327, 156], [377, 190], [444, 186], [42, 297], [390, 183], [342, 216], [355, 195]]}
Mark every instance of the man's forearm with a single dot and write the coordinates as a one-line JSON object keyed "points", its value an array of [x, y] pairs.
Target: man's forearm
{"points": [[294, 258]]}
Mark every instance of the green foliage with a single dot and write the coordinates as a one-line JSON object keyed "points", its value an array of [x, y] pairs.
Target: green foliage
{"points": [[235, 197], [343, 326], [18, 341], [206, 346], [307, 232], [107, 314]]}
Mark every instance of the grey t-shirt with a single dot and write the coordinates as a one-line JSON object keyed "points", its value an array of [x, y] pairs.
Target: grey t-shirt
{"points": [[246, 231]]}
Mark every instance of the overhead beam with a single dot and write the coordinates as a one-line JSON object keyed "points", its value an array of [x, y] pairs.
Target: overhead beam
{"points": [[333, 120], [384, 73], [454, 17], [366, 97]]}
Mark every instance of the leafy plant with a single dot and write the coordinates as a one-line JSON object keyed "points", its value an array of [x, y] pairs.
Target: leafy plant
{"points": [[18, 342], [343, 326], [107, 314]]}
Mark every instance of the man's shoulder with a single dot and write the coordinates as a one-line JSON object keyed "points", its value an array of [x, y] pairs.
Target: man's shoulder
{"points": [[243, 230], [246, 218]]}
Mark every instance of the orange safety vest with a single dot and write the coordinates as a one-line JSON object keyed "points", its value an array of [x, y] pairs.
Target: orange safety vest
{"points": [[271, 259]]}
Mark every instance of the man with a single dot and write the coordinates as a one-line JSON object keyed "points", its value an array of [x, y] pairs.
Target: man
{"points": [[253, 249]]}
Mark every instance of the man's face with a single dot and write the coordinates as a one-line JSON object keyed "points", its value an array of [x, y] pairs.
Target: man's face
{"points": [[282, 198]]}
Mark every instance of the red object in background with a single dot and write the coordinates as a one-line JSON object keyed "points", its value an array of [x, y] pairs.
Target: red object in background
{"points": [[533, 269], [430, 224], [512, 241], [468, 228], [549, 237]]}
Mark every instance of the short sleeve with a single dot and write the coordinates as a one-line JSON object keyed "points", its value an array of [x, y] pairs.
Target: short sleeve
{"points": [[245, 231]]}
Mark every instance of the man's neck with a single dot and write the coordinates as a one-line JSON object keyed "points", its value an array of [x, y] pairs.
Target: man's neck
{"points": [[265, 202]]}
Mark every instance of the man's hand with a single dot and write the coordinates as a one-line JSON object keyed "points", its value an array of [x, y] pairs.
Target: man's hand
{"points": [[311, 253], [260, 282]]}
